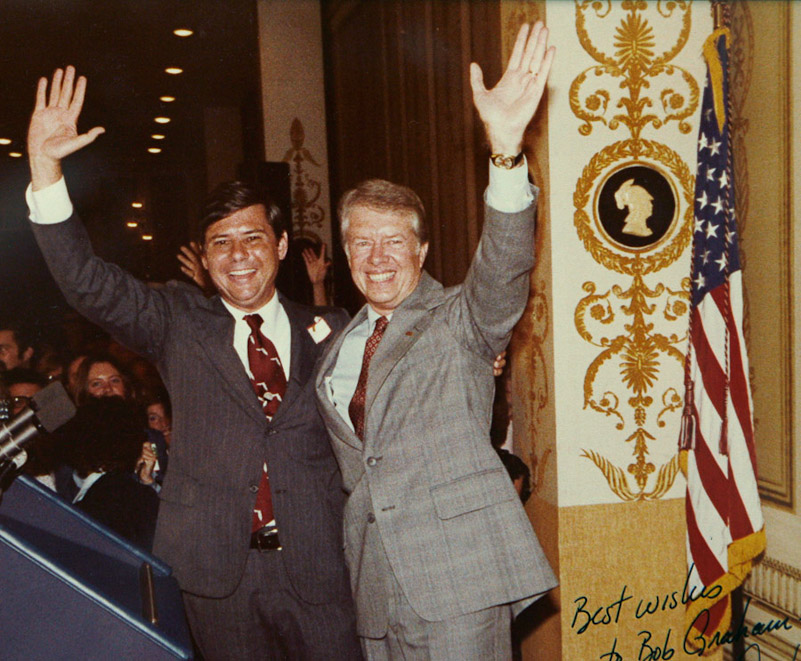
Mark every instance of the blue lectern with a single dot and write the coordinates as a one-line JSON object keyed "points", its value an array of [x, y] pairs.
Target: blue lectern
{"points": [[70, 588]]}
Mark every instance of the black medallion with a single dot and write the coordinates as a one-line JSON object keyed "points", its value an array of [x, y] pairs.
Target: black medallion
{"points": [[636, 206]]}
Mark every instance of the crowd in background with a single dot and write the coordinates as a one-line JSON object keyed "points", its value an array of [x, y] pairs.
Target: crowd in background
{"points": [[111, 458]]}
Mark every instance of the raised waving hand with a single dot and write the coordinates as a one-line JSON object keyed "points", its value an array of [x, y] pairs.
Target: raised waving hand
{"points": [[53, 131], [508, 107]]}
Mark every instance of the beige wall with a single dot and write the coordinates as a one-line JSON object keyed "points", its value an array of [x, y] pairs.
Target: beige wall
{"points": [[770, 91], [293, 104]]}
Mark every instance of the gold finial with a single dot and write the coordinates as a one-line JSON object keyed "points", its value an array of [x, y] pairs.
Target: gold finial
{"points": [[718, 14]]}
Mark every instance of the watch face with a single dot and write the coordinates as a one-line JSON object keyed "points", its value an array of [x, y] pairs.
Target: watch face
{"points": [[504, 161]]}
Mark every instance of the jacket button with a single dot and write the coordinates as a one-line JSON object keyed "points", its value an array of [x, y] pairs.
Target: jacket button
{"points": [[371, 461], [371, 518], [253, 488], [272, 432]]}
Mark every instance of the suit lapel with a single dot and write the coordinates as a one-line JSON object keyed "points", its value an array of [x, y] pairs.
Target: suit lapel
{"points": [[408, 322], [217, 339], [338, 425]]}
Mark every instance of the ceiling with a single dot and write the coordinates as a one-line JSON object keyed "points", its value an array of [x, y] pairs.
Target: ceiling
{"points": [[123, 47]]}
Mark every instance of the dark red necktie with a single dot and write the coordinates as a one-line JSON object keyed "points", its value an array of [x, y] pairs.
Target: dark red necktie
{"points": [[269, 384], [356, 407]]}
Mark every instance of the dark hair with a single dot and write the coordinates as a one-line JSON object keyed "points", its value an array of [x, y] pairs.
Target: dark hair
{"points": [[383, 195], [23, 375], [82, 394], [232, 196], [516, 468], [158, 396], [105, 434], [23, 335]]}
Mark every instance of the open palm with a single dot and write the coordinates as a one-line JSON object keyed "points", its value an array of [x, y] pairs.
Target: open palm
{"points": [[53, 131], [508, 107]]}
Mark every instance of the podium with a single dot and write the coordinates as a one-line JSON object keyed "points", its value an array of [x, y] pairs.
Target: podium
{"points": [[70, 588]]}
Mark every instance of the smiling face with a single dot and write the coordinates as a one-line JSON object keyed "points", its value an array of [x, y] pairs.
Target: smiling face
{"points": [[103, 380], [242, 254], [385, 256]]}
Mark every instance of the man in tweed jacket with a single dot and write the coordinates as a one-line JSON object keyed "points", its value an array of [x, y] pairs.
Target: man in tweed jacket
{"points": [[440, 550]]}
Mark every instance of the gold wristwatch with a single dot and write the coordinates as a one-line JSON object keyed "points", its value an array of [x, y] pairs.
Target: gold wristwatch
{"points": [[506, 161]]}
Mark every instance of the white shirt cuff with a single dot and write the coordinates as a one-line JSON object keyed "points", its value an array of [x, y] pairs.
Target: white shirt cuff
{"points": [[509, 190], [50, 205]]}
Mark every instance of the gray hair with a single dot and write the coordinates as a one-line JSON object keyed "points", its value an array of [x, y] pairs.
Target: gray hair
{"points": [[384, 196]]}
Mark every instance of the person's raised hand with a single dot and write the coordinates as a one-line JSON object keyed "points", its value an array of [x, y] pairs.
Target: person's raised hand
{"points": [[192, 265], [316, 264], [507, 108], [53, 130]]}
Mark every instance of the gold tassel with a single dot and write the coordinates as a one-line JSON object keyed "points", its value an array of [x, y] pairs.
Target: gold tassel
{"points": [[689, 420]]}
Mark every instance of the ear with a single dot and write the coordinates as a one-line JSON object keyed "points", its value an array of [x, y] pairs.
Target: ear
{"points": [[203, 259], [27, 354], [421, 256], [283, 245]]}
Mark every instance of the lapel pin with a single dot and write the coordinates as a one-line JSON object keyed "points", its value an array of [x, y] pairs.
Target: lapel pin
{"points": [[410, 333], [319, 330]]}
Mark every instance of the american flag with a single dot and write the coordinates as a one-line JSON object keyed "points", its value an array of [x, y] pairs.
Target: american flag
{"points": [[724, 516]]}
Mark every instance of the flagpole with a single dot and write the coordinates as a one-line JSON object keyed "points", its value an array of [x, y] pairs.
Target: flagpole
{"points": [[721, 17]]}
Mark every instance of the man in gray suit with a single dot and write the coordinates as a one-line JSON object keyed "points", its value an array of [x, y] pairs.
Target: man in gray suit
{"points": [[440, 550], [251, 508]]}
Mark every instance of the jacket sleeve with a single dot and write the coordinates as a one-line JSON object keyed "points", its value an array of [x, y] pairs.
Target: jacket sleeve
{"points": [[496, 288], [131, 311]]}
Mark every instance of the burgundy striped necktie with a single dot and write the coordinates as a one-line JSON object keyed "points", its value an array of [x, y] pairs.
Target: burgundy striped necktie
{"points": [[356, 407], [269, 384]]}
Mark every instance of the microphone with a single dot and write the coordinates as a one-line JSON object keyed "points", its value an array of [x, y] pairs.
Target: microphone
{"points": [[51, 407]]}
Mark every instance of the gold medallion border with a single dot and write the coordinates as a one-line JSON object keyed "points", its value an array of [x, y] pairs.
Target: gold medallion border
{"points": [[634, 151]]}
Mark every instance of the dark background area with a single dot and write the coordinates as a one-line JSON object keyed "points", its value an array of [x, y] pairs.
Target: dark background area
{"points": [[122, 47]]}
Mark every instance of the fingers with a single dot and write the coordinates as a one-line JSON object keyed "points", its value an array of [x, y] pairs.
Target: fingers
{"points": [[87, 138], [65, 96], [76, 103], [190, 254], [477, 79], [535, 47], [518, 48], [55, 87], [545, 66], [41, 95]]}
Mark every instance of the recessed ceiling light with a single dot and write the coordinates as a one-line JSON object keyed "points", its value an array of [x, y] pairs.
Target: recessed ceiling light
{"points": [[161, 120], [136, 205], [14, 154], [183, 32], [167, 99], [5, 141], [154, 150], [157, 136], [147, 237], [174, 70], [131, 223]]}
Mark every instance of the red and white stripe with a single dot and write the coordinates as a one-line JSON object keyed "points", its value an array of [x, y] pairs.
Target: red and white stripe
{"points": [[722, 498]]}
